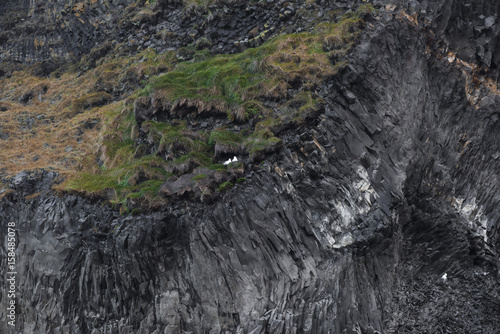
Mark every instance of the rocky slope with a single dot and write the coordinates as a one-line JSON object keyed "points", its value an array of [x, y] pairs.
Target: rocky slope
{"points": [[348, 228]]}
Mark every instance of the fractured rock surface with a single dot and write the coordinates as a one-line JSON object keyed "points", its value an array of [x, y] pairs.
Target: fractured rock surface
{"points": [[348, 230]]}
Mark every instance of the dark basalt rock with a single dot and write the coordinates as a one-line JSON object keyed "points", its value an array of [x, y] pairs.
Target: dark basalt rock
{"points": [[89, 30], [349, 229]]}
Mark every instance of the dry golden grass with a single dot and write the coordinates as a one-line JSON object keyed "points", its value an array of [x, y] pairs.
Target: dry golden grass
{"points": [[295, 60], [201, 106], [48, 120], [39, 133]]}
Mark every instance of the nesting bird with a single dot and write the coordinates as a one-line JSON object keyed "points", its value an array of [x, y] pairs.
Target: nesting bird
{"points": [[235, 159]]}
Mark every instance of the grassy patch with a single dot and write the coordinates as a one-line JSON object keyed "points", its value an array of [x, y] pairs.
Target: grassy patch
{"points": [[122, 183], [88, 131], [225, 186], [175, 141], [285, 70], [90, 101], [199, 177], [47, 120], [218, 167], [260, 141], [236, 85]]}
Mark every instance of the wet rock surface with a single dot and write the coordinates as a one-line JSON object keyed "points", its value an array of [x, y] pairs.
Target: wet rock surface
{"points": [[349, 229]]}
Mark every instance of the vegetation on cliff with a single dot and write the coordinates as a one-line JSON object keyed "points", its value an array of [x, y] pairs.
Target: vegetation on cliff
{"points": [[125, 127]]}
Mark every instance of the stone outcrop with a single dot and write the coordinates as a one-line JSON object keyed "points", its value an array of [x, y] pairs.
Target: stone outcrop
{"points": [[71, 30], [349, 229]]}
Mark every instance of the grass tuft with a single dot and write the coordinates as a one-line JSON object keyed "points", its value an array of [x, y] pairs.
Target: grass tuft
{"points": [[90, 101], [225, 186]]}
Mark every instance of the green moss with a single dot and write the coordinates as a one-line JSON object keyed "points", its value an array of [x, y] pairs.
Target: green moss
{"points": [[224, 137], [199, 177], [117, 180], [148, 189], [234, 165], [255, 144], [87, 182], [223, 187], [135, 212], [217, 167], [365, 9], [196, 157]]}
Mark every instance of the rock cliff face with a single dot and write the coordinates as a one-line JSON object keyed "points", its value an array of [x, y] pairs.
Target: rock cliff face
{"points": [[349, 229], [39, 30], [54, 32]]}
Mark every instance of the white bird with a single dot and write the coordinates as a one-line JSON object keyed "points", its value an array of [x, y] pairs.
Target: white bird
{"points": [[229, 161], [444, 277]]}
